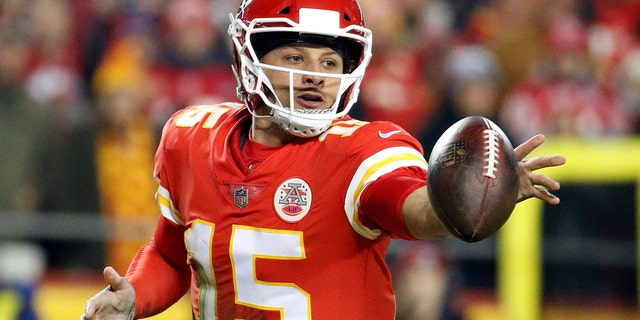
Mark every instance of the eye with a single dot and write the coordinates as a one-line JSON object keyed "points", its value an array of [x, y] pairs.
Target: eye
{"points": [[294, 59], [329, 63], [332, 65]]}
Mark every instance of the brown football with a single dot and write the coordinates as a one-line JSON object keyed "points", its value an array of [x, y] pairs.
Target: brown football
{"points": [[473, 178]]}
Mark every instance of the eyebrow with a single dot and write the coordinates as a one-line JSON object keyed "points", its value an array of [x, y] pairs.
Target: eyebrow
{"points": [[301, 46]]}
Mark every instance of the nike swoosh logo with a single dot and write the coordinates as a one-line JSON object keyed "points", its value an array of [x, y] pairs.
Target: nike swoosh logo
{"points": [[385, 135]]}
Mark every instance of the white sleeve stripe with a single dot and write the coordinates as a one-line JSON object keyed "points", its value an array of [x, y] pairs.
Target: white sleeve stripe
{"points": [[372, 168], [168, 210]]}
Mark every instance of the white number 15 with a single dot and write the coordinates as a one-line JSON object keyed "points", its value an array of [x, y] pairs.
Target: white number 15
{"points": [[248, 244]]}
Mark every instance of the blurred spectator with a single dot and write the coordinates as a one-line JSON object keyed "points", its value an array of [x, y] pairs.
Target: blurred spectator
{"points": [[51, 76], [562, 96], [513, 30], [194, 61], [124, 148], [614, 43], [473, 86], [615, 31], [54, 76], [95, 24], [435, 33], [394, 89], [422, 284], [628, 86], [24, 141], [25, 130]]}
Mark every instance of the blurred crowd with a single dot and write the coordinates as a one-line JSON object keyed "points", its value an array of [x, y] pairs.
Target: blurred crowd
{"points": [[86, 85]]}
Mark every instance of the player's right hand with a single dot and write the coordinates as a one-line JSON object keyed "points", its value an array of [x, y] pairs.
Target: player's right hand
{"points": [[115, 302]]}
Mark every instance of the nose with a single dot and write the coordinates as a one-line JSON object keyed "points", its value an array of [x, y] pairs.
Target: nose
{"points": [[313, 79]]}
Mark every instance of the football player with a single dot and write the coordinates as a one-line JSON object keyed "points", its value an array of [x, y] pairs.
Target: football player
{"points": [[283, 207]]}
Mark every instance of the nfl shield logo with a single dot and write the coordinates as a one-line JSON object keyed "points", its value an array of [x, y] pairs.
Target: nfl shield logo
{"points": [[454, 154], [241, 197]]}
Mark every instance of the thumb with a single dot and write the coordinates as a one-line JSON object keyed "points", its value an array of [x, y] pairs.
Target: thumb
{"points": [[114, 279]]}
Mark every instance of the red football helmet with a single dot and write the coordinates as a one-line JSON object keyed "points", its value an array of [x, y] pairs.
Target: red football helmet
{"points": [[262, 25]]}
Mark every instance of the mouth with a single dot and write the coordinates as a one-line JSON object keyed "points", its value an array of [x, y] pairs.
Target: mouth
{"points": [[310, 100]]}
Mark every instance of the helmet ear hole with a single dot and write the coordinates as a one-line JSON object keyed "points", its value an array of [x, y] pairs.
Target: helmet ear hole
{"points": [[249, 82]]}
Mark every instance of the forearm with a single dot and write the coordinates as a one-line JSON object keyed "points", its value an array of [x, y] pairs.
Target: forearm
{"points": [[422, 221], [159, 272]]}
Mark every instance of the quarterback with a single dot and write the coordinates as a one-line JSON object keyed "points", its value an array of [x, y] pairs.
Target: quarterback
{"points": [[283, 207]]}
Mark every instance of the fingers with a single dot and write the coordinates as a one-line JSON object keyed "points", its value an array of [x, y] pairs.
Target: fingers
{"points": [[525, 148], [89, 310], [545, 181], [543, 162], [111, 276], [538, 162], [554, 161], [116, 301], [532, 184], [546, 196], [538, 179], [91, 306], [114, 279]]}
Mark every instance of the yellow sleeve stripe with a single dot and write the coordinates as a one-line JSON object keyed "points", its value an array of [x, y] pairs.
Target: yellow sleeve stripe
{"points": [[370, 169], [167, 208]]}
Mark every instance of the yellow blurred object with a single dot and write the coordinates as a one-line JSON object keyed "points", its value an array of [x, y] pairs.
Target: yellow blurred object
{"points": [[123, 68], [64, 301], [520, 267], [10, 304], [492, 311], [124, 151], [607, 160], [124, 164]]}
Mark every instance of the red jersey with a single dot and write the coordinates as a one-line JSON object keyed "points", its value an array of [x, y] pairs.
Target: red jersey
{"points": [[284, 240]]}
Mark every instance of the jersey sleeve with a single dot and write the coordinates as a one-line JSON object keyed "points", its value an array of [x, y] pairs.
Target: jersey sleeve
{"points": [[381, 202], [379, 149], [162, 172], [159, 271], [173, 171]]}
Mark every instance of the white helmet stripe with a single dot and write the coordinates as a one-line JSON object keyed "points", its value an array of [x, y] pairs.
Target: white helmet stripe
{"points": [[317, 19]]}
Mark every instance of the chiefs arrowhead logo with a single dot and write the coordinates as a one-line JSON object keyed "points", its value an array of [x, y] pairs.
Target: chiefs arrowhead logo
{"points": [[292, 200]]}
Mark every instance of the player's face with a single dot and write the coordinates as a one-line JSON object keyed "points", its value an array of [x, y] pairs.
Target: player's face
{"points": [[310, 91]]}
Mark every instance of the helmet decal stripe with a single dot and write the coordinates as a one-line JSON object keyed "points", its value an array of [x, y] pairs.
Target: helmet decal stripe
{"points": [[316, 19]]}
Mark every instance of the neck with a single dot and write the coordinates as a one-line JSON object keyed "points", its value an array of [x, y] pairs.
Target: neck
{"points": [[265, 131], [269, 133]]}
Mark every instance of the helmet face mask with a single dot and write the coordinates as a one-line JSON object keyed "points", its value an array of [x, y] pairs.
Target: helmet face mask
{"points": [[262, 26]]}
